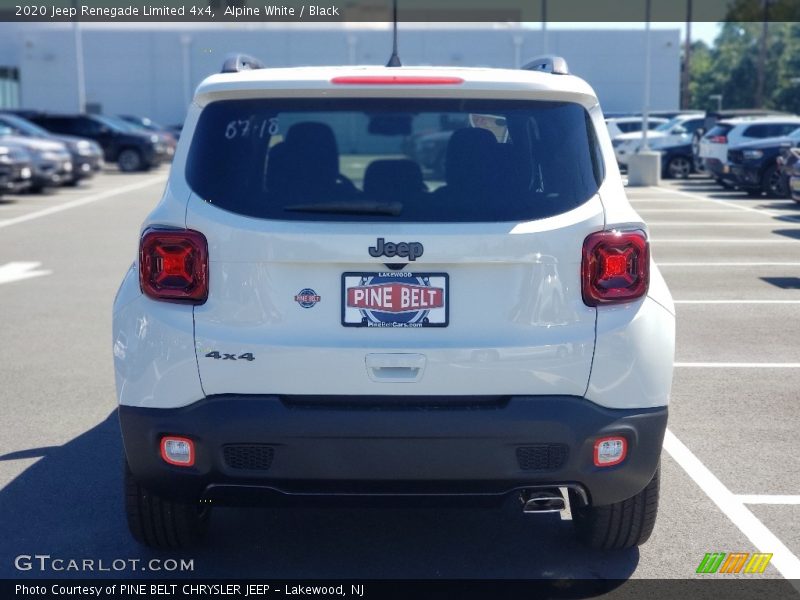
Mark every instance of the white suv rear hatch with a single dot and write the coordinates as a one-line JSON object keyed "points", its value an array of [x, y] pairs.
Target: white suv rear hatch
{"points": [[394, 246]]}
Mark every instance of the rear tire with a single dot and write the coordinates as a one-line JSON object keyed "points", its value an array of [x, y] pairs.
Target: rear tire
{"points": [[774, 184], [621, 525], [679, 167], [130, 160], [158, 522]]}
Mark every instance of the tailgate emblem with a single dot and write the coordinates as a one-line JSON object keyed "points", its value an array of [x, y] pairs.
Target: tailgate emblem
{"points": [[412, 250], [307, 298]]}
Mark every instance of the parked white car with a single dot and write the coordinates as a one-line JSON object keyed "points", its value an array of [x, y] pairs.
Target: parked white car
{"points": [[618, 126], [674, 132], [713, 150], [308, 315]]}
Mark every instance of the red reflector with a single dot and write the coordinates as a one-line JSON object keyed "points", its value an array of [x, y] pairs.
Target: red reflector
{"points": [[718, 139], [616, 267], [610, 451], [395, 80], [173, 265], [178, 451]]}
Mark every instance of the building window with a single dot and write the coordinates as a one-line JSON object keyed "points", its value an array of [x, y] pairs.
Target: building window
{"points": [[9, 87]]}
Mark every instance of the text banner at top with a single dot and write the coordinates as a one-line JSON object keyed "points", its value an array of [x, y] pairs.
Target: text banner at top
{"points": [[451, 11]]}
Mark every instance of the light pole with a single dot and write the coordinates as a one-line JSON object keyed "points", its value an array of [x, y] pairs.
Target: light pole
{"points": [[544, 26], [186, 57], [646, 107], [79, 71]]}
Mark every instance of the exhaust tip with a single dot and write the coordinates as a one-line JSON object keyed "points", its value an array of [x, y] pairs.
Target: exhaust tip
{"points": [[544, 501]]}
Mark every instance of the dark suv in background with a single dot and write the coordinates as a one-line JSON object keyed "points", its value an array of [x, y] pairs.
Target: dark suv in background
{"points": [[131, 149], [755, 165]]}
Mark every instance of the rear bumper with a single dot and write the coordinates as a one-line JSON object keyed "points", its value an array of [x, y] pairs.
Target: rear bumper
{"points": [[719, 170], [449, 445], [746, 176]]}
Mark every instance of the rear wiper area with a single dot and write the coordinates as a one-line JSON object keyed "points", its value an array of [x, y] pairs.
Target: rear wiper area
{"points": [[353, 207]]}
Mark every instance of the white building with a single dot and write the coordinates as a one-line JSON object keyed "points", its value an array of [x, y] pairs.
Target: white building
{"points": [[152, 69]]}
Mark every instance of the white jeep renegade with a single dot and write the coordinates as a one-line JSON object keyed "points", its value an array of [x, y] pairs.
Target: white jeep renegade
{"points": [[394, 281]]}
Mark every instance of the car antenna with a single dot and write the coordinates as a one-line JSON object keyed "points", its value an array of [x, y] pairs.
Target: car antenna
{"points": [[394, 59]]}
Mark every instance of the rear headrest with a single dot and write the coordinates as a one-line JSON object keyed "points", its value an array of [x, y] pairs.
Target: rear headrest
{"points": [[470, 156], [278, 168], [393, 179], [315, 146]]}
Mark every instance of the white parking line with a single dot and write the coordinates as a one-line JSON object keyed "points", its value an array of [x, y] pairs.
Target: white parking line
{"points": [[767, 499], [17, 271], [735, 365], [714, 224], [82, 201], [728, 264], [686, 210], [762, 538], [722, 241], [723, 202], [736, 301]]}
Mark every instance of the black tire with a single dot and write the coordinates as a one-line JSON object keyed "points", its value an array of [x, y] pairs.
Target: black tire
{"points": [[679, 167], [162, 523], [130, 160], [773, 183], [622, 525]]}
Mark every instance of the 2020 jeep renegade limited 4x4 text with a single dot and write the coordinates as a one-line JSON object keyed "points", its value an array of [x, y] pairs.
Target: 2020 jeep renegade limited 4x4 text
{"points": [[317, 310]]}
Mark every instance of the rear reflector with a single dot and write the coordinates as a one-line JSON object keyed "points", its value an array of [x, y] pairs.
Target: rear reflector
{"points": [[616, 267], [178, 451], [173, 265], [610, 451], [395, 80], [718, 139]]}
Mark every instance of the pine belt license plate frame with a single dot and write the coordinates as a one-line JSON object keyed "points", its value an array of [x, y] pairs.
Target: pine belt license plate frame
{"points": [[427, 292]]}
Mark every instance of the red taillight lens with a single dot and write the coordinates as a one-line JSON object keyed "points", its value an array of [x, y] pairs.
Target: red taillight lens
{"points": [[173, 265], [718, 139], [395, 80], [616, 267]]}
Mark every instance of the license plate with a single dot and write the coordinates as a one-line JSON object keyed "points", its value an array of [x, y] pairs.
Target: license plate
{"points": [[395, 299], [25, 173]]}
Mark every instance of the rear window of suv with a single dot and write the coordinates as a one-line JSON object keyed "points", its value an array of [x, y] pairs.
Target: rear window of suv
{"points": [[404, 160]]}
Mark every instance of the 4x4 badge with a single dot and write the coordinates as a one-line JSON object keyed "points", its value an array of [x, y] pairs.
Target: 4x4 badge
{"points": [[412, 250]]}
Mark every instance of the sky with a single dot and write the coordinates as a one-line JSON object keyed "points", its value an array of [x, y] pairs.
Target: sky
{"points": [[700, 30]]}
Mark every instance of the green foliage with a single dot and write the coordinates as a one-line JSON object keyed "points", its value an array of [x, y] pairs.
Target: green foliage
{"points": [[730, 67]]}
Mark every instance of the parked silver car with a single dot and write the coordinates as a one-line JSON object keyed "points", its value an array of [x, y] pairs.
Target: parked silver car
{"points": [[51, 162]]}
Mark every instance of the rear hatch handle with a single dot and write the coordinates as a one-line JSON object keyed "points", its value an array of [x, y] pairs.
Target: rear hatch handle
{"points": [[395, 367]]}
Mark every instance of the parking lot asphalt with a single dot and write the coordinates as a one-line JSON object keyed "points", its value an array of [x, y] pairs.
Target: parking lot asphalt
{"points": [[730, 466]]}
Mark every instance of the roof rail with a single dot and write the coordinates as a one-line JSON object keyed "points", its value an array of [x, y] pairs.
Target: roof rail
{"points": [[234, 63], [549, 64]]}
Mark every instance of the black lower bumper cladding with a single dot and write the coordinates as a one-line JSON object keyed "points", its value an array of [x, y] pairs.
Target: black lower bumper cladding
{"points": [[392, 446]]}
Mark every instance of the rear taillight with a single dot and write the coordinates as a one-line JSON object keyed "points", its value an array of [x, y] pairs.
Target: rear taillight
{"points": [[718, 139], [173, 265], [616, 267]]}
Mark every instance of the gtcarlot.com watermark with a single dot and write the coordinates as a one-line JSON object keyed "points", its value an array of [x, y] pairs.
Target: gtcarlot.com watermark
{"points": [[45, 563]]}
